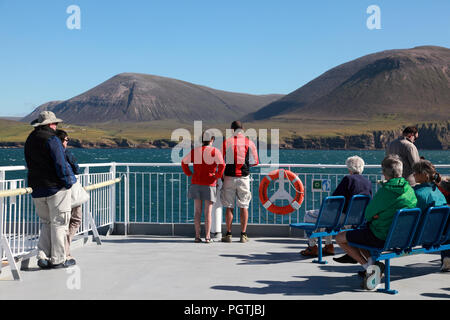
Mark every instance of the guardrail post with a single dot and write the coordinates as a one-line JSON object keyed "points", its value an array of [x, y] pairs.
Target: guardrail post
{"points": [[216, 223], [90, 218], [4, 243], [112, 200], [126, 207], [2, 181]]}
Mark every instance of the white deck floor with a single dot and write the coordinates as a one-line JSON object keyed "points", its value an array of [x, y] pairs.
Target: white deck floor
{"points": [[175, 268]]}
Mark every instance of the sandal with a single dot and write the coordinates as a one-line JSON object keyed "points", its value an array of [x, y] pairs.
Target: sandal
{"points": [[208, 241], [198, 240]]}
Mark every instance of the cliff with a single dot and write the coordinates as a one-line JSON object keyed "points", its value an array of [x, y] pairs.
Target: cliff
{"points": [[432, 136]]}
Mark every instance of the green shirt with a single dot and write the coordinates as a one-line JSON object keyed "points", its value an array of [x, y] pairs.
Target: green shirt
{"points": [[394, 194]]}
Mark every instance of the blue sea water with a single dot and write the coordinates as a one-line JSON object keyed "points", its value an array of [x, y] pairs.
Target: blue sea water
{"points": [[15, 157]]}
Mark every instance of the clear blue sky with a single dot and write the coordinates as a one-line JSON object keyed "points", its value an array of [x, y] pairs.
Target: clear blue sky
{"points": [[252, 46]]}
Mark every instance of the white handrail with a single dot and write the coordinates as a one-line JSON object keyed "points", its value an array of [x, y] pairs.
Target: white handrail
{"points": [[15, 192], [263, 165]]}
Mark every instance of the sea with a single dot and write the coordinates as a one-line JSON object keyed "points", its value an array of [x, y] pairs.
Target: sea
{"points": [[15, 157]]}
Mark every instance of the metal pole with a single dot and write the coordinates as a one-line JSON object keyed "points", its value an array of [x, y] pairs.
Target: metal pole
{"points": [[113, 171], [216, 219]]}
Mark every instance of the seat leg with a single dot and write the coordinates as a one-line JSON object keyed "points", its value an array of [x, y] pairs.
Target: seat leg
{"points": [[387, 279], [319, 260]]}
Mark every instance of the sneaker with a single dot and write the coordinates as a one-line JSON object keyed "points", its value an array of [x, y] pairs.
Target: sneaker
{"points": [[328, 250], [445, 265], [345, 259], [371, 279], [244, 238], [227, 238], [381, 265], [44, 264], [66, 264], [310, 252], [363, 273]]}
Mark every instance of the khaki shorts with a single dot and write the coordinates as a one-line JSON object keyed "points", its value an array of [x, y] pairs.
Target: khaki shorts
{"points": [[236, 190]]}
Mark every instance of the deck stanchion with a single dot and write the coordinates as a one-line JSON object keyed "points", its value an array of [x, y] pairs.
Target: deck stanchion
{"points": [[216, 223]]}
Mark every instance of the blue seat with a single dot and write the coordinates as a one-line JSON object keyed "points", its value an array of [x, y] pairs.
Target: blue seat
{"points": [[446, 233], [398, 241], [432, 227], [354, 216], [401, 233], [328, 218]]}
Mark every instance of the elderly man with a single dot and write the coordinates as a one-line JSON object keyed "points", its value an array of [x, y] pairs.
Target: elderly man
{"points": [[393, 195], [404, 147], [50, 177], [352, 184]]}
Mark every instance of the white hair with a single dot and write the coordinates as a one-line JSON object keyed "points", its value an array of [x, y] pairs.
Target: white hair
{"points": [[355, 164]]}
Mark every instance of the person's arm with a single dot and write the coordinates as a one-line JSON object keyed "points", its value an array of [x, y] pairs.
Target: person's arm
{"points": [[413, 155], [373, 208], [185, 164], [73, 162], [253, 154], [57, 153], [220, 163]]}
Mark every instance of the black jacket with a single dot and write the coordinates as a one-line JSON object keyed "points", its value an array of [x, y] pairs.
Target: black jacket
{"points": [[46, 161]]}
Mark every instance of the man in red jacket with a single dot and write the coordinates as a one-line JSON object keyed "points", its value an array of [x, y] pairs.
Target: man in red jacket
{"points": [[240, 154]]}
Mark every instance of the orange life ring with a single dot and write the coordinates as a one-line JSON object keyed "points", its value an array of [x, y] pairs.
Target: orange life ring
{"points": [[296, 202]]}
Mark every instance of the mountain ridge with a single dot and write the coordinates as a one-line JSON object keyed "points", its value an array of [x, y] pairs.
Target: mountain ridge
{"points": [[379, 84], [137, 97]]}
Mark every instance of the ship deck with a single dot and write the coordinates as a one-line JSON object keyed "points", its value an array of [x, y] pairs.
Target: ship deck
{"points": [[176, 268]]}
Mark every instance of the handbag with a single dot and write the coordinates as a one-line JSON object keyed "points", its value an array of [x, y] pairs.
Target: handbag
{"points": [[79, 195]]}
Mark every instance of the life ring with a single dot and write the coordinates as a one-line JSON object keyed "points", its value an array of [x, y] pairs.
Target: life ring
{"points": [[281, 174]]}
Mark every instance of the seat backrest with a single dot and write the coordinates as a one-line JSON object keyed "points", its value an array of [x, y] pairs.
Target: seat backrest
{"points": [[431, 229], [330, 212], [355, 211], [446, 233], [403, 228]]}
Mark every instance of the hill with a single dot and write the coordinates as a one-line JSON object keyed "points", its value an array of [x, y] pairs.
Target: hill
{"points": [[133, 97], [410, 85]]}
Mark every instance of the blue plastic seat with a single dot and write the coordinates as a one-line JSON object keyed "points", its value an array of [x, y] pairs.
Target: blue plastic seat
{"points": [[432, 227], [328, 218], [446, 233], [399, 240], [354, 216], [401, 233]]}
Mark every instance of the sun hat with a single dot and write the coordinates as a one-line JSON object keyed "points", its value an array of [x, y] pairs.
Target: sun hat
{"points": [[45, 117]]}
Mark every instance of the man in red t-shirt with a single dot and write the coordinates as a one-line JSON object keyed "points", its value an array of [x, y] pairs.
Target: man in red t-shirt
{"points": [[240, 154]]}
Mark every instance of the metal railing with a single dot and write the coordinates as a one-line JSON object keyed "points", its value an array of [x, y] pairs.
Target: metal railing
{"points": [[19, 222], [158, 193], [153, 193]]}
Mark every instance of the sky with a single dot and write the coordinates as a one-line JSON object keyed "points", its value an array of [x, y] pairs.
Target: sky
{"points": [[250, 46]]}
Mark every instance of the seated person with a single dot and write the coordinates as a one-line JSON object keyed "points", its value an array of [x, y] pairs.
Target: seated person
{"points": [[444, 186], [394, 194], [427, 192], [352, 184]]}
